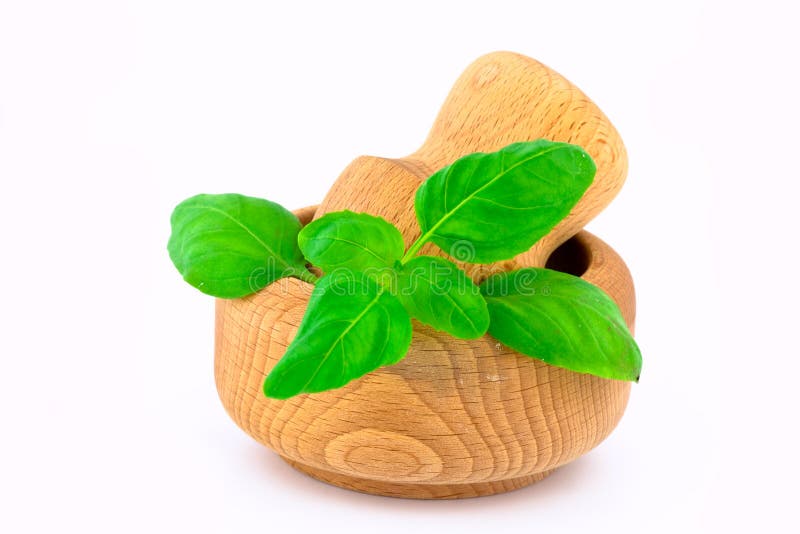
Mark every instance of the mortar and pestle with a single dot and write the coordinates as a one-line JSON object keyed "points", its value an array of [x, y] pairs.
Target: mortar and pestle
{"points": [[455, 418]]}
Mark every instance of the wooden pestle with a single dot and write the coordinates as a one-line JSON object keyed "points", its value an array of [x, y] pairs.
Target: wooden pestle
{"points": [[500, 99]]}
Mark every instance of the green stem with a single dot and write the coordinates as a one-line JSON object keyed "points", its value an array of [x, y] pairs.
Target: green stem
{"points": [[414, 248], [306, 276]]}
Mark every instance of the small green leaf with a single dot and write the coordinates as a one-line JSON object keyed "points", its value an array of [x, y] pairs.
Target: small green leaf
{"points": [[562, 320], [352, 326], [436, 292], [231, 245], [491, 207], [348, 240]]}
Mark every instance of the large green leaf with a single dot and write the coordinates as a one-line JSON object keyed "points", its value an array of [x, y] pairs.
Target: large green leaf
{"points": [[562, 320], [436, 292], [352, 326], [231, 245], [348, 240], [491, 207]]}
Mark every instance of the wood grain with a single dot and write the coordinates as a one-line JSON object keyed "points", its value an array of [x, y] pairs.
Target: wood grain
{"points": [[500, 99], [455, 418]]}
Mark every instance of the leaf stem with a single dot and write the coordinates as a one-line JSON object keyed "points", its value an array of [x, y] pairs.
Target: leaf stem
{"points": [[306, 276], [414, 248]]}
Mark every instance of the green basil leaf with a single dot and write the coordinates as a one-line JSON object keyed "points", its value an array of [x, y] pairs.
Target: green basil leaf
{"points": [[231, 245], [348, 240], [562, 320], [352, 326], [436, 292], [490, 207]]}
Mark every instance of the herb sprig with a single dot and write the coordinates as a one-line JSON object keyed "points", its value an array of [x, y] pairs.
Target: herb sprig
{"points": [[482, 208]]}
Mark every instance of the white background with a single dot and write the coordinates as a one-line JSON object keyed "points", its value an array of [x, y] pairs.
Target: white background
{"points": [[112, 112]]}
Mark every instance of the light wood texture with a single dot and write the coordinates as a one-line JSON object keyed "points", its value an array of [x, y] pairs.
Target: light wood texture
{"points": [[455, 418], [500, 99]]}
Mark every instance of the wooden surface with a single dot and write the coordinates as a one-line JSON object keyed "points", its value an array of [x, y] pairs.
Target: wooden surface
{"points": [[500, 99], [455, 418]]}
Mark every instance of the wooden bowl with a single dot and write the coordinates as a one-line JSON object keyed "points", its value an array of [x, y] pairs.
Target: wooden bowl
{"points": [[456, 418]]}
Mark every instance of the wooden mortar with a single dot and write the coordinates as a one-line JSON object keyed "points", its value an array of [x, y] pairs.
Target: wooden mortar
{"points": [[455, 418]]}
